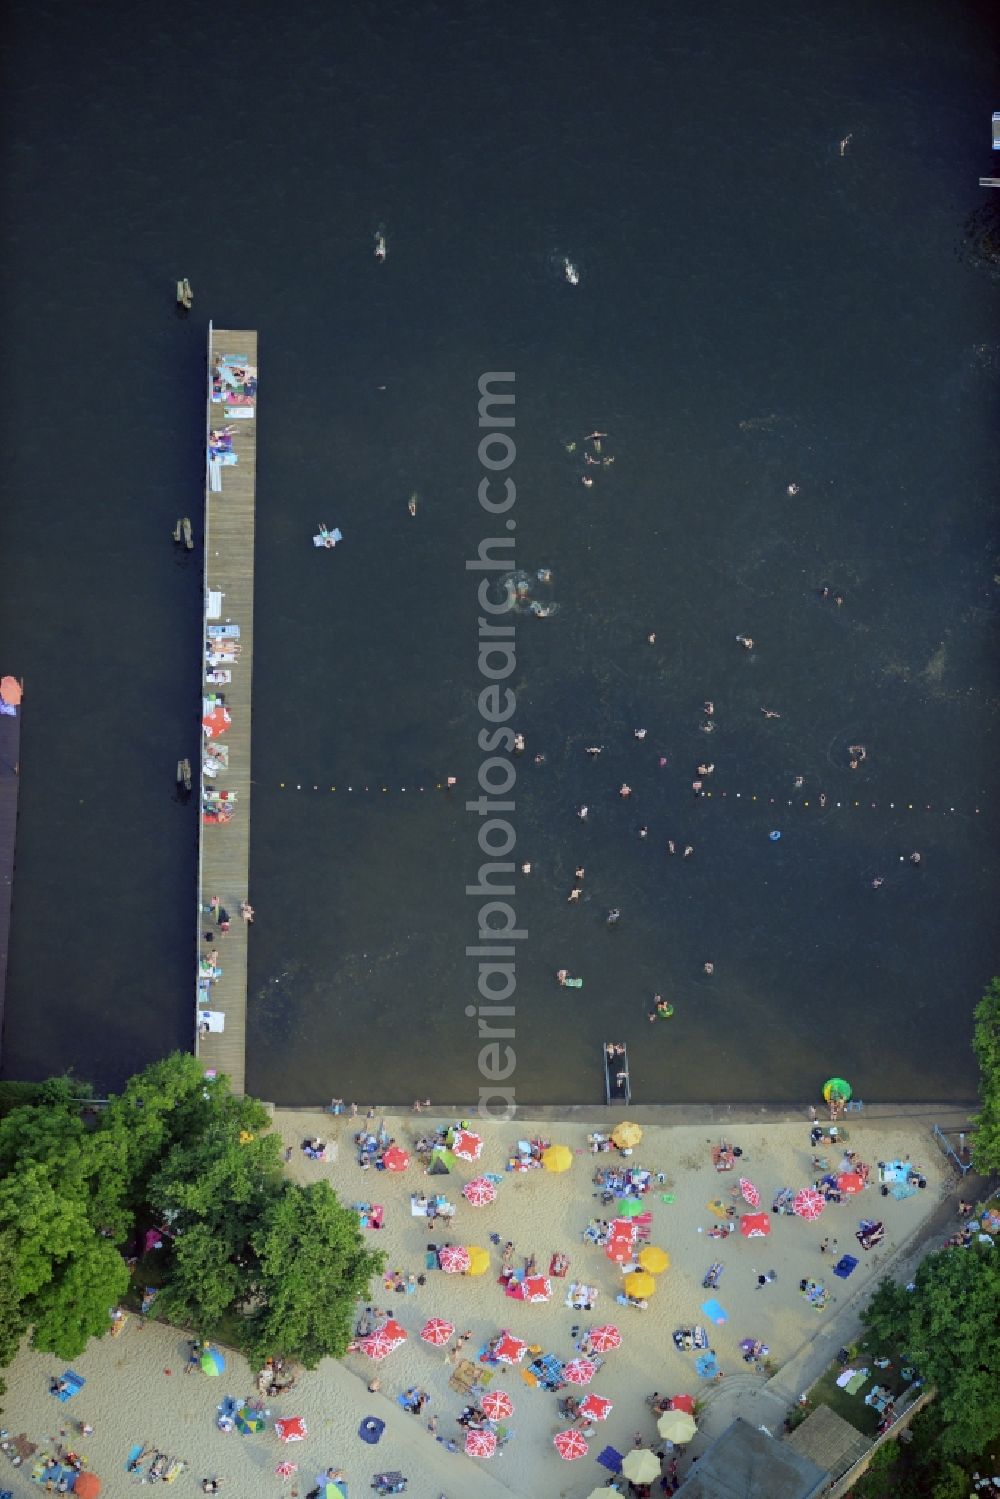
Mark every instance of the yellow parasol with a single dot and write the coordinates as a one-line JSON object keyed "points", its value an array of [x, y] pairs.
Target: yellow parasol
{"points": [[479, 1260], [677, 1426], [557, 1158], [639, 1284], [626, 1135], [653, 1259], [641, 1465]]}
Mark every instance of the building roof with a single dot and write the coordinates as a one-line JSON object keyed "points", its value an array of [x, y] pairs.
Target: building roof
{"points": [[745, 1463], [829, 1440]]}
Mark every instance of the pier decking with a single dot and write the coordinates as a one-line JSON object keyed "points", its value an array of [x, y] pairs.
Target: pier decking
{"points": [[10, 751], [226, 674]]}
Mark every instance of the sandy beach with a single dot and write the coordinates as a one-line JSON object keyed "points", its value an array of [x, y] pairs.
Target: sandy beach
{"points": [[137, 1391]]}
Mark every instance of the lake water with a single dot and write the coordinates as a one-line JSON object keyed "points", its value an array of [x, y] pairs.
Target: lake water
{"points": [[757, 309]]}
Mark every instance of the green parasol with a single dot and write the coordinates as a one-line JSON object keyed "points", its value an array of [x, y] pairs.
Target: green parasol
{"points": [[836, 1088]]}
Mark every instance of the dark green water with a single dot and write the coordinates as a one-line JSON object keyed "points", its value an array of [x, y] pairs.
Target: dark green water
{"points": [[755, 310]]}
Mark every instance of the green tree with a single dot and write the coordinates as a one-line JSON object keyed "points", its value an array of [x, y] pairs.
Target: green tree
{"points": [[203, 1282], [986, 1045], [948, 1326], [313, 1267], [77, 1303]]}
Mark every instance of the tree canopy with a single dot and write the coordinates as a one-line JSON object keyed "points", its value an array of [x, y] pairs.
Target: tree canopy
{"points": [[949, 1328], [986, 1045], [277, 1264]]}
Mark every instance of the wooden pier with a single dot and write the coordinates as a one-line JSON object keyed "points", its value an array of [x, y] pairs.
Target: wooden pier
{"points": [[10, 753], [227, 680]]}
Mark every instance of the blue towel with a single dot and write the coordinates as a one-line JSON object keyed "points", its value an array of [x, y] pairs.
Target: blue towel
{"points": [[845, 1265], [611, 1459], [133, 1454], [74, 1383]]}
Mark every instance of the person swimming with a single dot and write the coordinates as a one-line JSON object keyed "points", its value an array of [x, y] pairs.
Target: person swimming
{"points": [[570, 272]]}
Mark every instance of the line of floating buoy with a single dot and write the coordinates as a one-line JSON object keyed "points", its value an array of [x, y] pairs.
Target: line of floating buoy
{"points": [[808, 804]]}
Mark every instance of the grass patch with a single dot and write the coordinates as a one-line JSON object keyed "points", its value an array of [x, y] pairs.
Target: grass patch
{"points": [[852, 1408]]}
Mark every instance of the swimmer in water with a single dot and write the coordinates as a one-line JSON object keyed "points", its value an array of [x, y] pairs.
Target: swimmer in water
{"points": [[838, 599], [688, 850], [708, 708], [651, 638], [539, 759], [824, 591], [526, 867], [381, 249], [574, 894], [640, 733], [845, 143], [593, 749], [770, 713], [793, 489], [878, 882], [614, 916], [708, 967], [916, 858], [798, 782], [822, 798], [519, 744], [671, 846], [587, 481], [696, 787], [562, 974], [746, 641], [581, 812], [643, 832], [542, 611], [579, 873], [411, 503], [544, 575], [624, 789], [705, 770], [708, 727]]}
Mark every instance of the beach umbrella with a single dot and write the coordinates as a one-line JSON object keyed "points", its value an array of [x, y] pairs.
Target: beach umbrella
{"points": [[510, 1350], [682, 1403], [10, 691], [755, 1225], [87, 1486], [850, 1182], [604, 1339], [479, 1192], [557, 1158], [467, 1146], [654, 1260], [437, 1331], [383, 1340], [497, 1404], [286, 1470], [626, 1135], [641, 1465], [291, 1429], [479, 1260], [835, 1087], [249, 1421], [750, 1194], [211, 1361], [597, 1407], [395, 1159], [570, 1444], [453, 1259], [808, 1203], [481, 1443], [216, 722], [676, 1426], [537, 1288], [639, 1284], [619, 1250], [580, 1370], [630, 1207]]}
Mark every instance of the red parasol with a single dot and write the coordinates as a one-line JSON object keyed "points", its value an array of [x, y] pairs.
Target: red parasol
{"points": [[216, 722], [510, 1350], [850, 1182], [291, 1429], [619, 1250], [479, 1192], [383, 1340], [87, 1486], [537, 1288], [598, 1407], [808, 1203], [604, 1339], [286, 1470], [467, 1146], [755, 1225], [682, 1403], [580, 1370], [481, 1443], [395, 1159], [497, 1404], [454, 1258], [437, 1331], [750, 1194], [570, 1444]]}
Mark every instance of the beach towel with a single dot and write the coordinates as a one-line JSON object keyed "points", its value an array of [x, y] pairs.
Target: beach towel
{"points": [[714, 1312], [371, 1429], [74, 1384], [903, 1190], [845, 1266], [132, 1457], [857, 1381], [611, 1459], [707, 1365]]}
